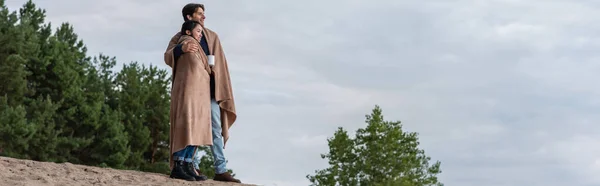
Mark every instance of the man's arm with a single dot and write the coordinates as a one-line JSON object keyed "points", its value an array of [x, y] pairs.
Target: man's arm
{"points": [[183, 48], [168, 55], [175, 50]]}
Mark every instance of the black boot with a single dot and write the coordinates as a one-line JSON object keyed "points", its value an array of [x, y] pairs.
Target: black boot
{"points": [[179, 172], [189, 169]]}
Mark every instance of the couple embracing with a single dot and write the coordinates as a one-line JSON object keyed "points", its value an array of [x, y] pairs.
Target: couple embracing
{"points": [[202, 105]]}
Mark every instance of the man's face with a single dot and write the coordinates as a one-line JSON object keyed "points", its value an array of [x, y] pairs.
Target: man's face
{"points": [[198, 16]]}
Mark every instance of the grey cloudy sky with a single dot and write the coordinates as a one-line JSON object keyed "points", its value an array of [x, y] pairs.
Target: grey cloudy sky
{"points": [[500, 91]]}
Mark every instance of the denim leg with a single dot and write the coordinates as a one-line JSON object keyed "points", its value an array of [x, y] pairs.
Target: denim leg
{"points": [[217, 147], [189, 153], [185, 155], [179, 155]]}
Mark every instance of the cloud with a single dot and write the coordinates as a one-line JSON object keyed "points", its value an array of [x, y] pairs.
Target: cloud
{"points": [[582, 147], [500, 91], [309, 141]]}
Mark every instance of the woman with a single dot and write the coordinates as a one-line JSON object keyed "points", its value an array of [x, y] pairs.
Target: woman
{"points": [[190, 106]]}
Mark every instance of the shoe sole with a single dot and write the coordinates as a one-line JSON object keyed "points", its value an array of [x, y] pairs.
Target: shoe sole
{"points": [[173, 177]]}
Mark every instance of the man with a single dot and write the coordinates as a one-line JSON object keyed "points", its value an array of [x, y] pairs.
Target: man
{"points": [[223, 113]]}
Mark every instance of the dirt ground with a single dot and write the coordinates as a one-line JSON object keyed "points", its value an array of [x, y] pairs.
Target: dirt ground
{"points": [[16, 172]]}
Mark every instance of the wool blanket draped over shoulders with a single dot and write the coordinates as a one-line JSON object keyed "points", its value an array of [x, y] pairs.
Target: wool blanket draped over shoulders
{"points": [[190, 114], [223, 90]]}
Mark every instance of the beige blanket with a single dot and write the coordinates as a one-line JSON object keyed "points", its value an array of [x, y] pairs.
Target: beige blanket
{"points": [[190, 114]]}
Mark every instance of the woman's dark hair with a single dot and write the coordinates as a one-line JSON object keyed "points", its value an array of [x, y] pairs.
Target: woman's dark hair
{"points": [[189, 9], [188, 25]]}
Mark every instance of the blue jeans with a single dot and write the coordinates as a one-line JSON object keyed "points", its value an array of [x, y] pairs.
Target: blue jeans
{"points": [[186, 154], [217, 147]]}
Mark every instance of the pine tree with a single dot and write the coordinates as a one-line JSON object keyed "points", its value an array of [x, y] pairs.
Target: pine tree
{"points": [[157, 107], [40, 108], [380, 154], [110, 144], [132, 97], [46, 138], [15, 132], [12, 59], [21, 120]]}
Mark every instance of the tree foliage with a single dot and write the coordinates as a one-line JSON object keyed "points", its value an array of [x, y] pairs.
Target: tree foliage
{"points": [[207, 162], [59, 104], [379, 154]]}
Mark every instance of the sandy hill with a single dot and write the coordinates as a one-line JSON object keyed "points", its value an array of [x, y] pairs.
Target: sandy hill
{"points": [[17, 172]]}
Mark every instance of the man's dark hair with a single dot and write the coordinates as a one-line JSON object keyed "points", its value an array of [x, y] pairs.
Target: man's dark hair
{"points": [[189, 9], [189, 25]]}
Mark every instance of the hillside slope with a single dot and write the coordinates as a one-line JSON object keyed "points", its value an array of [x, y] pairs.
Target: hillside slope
{"points": [[17, 172]]}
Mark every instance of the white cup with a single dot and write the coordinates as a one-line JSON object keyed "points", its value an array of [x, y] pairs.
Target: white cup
{"points": [[211, 60]]}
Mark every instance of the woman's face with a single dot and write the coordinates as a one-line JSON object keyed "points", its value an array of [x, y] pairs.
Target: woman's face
{"points": [[196, 32]]}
